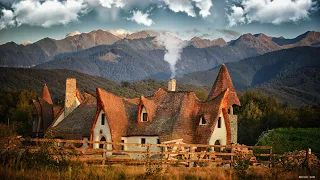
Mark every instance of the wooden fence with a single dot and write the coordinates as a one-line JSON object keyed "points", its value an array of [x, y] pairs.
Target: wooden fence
{"points": [[178, 154]]}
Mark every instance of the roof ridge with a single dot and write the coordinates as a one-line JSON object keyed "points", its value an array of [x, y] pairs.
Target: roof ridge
{"points": [[45, 94], [222, 82]]}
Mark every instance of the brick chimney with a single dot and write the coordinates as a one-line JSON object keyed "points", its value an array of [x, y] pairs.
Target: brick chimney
{"points": [[172, 84], [71, 101]]}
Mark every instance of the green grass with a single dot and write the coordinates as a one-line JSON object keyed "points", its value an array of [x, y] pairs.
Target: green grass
{"points": [[290, 139]]}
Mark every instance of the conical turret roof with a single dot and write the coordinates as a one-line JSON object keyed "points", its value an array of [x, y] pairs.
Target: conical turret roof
{"points": [[222, 83], [46, 94]]}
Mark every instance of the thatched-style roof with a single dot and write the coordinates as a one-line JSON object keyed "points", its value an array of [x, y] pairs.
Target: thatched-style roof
{"points": [[45, 95], [210, 111], [171, 115], [78, 123], [223, 82]]}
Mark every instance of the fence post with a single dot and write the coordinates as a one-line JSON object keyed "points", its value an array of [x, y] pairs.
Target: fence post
{"points": [[148, 151], [148, 165], [231, 158], [104, 154]]}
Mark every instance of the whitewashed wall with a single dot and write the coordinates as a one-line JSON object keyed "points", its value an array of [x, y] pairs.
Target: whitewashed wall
{"points": [[219, 133], [105, 132], [137, 140]]}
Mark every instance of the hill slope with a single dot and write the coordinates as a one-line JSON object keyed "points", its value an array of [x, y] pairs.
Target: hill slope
{"points": [[292, 75], [23, 78], [296, 89], [142, 58], [290, 139]]}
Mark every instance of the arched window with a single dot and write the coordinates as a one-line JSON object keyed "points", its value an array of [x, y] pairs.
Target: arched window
{"points": [[202, 121], [144, 115], [101, 146]]}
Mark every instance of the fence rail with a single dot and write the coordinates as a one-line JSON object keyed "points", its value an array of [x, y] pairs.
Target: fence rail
{"points": [[184, 154]]}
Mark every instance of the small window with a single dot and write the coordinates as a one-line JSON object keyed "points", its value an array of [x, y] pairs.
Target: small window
{"points": [[219, 122], [143, 140], [103, 117], [158, 141], [145, 117], [122, 146], [203, 121]]}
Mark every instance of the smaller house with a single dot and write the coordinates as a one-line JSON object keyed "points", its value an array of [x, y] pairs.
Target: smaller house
{"points": [[44, 112], [47, 115]]}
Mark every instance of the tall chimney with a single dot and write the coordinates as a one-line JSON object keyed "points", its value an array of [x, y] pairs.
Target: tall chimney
{"points": [[71, 101], [172, 84]]}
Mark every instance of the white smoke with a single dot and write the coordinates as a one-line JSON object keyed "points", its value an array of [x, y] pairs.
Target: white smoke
{"points": [[174, 47]]}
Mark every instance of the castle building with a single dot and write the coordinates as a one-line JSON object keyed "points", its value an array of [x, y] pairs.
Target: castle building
{"points": [[166, 115]]}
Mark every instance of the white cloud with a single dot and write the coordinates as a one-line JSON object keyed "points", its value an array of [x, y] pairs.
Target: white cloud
{"points": [[237, 16], [270, 11], [73, 33], [181, 6], [204, 6], [113, 3], [141, 18], [45, 14], [186, 6], [7, 19]]}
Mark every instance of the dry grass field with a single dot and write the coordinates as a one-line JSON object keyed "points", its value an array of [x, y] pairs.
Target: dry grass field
{"points": [[139, 172]]}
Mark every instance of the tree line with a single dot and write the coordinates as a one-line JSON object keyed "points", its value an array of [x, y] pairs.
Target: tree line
{"points": [[259, 113]]}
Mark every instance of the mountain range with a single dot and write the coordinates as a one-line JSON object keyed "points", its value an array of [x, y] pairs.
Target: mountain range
{"points": [[48, 49], [140, 57], [286, 68]]}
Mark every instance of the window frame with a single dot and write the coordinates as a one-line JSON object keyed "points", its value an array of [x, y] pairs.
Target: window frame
{"points": [[144, 117], [202, 119]]}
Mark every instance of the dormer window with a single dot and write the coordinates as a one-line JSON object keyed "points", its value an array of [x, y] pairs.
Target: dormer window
{"points": [[144, 115], [203, 121], [219, 122]]}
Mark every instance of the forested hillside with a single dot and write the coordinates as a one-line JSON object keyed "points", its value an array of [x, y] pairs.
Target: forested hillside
{"points": [[292, 75]]}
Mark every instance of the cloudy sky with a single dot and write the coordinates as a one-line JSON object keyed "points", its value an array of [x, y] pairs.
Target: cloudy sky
{"points": [[22, 20]]}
